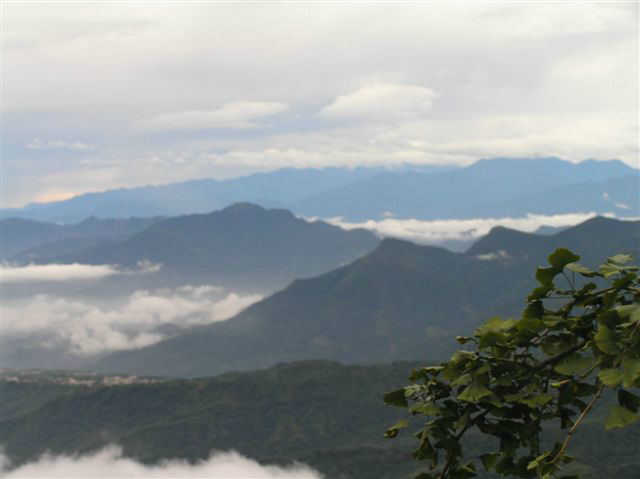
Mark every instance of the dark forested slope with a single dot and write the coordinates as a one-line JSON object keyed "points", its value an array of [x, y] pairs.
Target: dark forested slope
{"points": [[401, 301]]}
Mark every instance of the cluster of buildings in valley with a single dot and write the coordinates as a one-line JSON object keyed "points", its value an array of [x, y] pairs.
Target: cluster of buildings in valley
{"points": [[70, 378]]}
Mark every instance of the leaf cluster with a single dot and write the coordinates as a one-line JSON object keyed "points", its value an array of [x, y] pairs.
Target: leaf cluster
{"points": [[571, 345]]}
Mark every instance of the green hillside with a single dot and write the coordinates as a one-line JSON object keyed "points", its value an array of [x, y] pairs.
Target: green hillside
{"points": [[401, 301]]}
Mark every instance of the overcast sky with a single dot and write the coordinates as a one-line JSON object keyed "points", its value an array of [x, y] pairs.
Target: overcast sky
{"points": [[103, 95]]}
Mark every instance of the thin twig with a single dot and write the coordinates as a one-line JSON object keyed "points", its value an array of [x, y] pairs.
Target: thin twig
{"points": [[577, 423]]}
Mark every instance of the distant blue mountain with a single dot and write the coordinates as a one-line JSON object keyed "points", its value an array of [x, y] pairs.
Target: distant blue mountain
{"points": [[487, 188], [273, 189], [30, 237]]}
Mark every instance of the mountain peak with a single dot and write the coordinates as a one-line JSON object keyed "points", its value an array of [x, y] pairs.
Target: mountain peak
{"points": [[251, 210], [243, 207], [497, 239]]}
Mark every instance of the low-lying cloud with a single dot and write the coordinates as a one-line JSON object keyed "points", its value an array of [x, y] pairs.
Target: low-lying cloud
{"points": [[145, 317], [438, 231], [67, 272], [110, 463]]}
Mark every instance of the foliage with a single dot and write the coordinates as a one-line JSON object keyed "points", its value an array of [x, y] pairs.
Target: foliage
{"points": [[319, 413], [570, 346]]}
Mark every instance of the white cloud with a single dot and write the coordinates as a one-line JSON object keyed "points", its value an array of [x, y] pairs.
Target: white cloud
{"points": [[238, 115], [622, 206], [501, 254], [109, 463], [85, 329], [54, 272], [67, 272], [37, 144], [383, 102], [434, 232], [563, 21]]}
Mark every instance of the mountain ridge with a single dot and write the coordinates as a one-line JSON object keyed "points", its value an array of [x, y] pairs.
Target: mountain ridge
{"points": [[401, 301], [242, 244], [484, 189]]}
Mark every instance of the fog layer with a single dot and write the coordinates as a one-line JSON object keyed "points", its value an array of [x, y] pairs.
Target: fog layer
{"points": [[109, 463]]}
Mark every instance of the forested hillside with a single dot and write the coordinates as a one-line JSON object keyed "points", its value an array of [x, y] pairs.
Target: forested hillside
{"points": [[401, 301], [327, 415]]}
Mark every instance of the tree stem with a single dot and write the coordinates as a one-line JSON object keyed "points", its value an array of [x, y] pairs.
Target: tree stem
{"points": [[577, 423]]}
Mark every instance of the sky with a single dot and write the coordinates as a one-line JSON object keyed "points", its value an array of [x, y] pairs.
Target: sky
{"points": [[98, 96]]}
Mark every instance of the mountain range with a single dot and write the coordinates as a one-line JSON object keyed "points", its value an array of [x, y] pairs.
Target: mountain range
{"points": [[34, 238], [488, 188], [243, 245], [401, 301], [270, 189]]}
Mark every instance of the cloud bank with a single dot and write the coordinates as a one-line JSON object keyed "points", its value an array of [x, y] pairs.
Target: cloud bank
{"points": [[381, 102], [66, 272], [238, 115], [434, 232], [109, 463], [86, 329]]}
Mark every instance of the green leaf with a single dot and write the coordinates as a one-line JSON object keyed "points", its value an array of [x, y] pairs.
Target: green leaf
{"points": [[530, 325], [474, 392], [612, 378], [540, 292], [583, 270], [393, 430], [396, 398], [536, 400], [462, 380], [574, 364], [619, 417], [495, 325], [463, 421], [428, 409], [562, 257], [545, 275], [631, 311], [606, 340], [624, 281], [609, 269], [489, 460], [533, 310], [628, 400], [631, 369], [620, 259]]}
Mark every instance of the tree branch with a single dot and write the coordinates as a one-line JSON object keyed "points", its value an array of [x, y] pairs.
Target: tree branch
{"points": [[577, 423]]}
